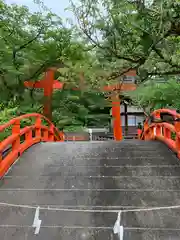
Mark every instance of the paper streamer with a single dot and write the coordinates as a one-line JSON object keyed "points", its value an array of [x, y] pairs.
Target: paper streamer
{"points": [[37, 222], [118, 229]]}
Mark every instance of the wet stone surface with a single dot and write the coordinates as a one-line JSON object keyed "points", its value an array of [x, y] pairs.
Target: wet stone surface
{"points": [[92, 176]]}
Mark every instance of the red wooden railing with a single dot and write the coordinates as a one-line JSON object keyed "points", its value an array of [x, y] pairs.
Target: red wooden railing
{"points": [[20, 139], [167, 132], [43, 130]]}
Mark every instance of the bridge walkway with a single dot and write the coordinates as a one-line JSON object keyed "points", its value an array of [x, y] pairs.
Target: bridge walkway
{"points": [[94, 178]]}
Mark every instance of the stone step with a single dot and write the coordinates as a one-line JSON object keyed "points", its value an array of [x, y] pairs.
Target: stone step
{"points": [[79, 218], [66, 171], [95, 176], [59, 233], [91, 197], [81, 182], [94, 161], [48, 233]]}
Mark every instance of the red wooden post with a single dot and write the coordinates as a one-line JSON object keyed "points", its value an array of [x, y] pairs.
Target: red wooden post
{"points": [[116, 109], [116, 114], [16, 130], [48, 84], [158, 130], [167, 133], [28, 136], [48, 91], [177, 127], [38, 128], [51, 135]]}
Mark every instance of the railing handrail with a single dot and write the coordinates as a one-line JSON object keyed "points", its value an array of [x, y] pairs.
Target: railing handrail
{"points": [[22, 117], [163, 130], [163, 124], [34, 133], [164, 110]]}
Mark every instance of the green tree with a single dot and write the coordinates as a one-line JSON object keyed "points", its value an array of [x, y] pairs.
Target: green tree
{"points": [[29, 44], [152, 95], [144, 35], [80, 109]]}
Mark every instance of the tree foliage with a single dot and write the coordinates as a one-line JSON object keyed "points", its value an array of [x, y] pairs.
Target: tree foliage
{"points": [[32, 42], [153, 95], [111, 38], [139, 34], [29, 44], [80, 109]]}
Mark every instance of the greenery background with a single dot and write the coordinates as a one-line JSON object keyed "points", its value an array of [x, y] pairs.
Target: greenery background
{"points": [[108, 39]]}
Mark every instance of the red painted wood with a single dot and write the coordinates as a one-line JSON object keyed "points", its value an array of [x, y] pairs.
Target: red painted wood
{"points": [[48, 90], [169, 133], [40, 84], [48, 84], [116, 114], [18, 147]]}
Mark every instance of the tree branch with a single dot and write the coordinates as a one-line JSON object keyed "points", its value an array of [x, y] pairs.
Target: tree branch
{"points": [[5, 83], [27, 43], [175, 72], [169, 61], [118, 74], [109, 49], [85, 31]]}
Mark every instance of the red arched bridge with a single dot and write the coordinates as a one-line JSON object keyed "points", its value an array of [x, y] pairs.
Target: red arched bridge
{"points": [[52, 189]]}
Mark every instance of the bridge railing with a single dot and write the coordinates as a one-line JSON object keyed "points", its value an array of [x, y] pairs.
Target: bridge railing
{"points": [[163, 125], [40, 129]]}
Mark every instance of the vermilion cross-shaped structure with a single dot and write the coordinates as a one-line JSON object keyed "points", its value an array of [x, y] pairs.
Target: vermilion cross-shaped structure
{"points": [[49, 83]]}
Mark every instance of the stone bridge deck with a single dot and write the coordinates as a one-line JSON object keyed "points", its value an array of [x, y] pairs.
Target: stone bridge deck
{"points": [[92, 176]]}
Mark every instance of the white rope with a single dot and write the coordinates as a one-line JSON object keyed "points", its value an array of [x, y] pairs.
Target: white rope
{"points": [[118, 228], [90, 227], [89, 210]]}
